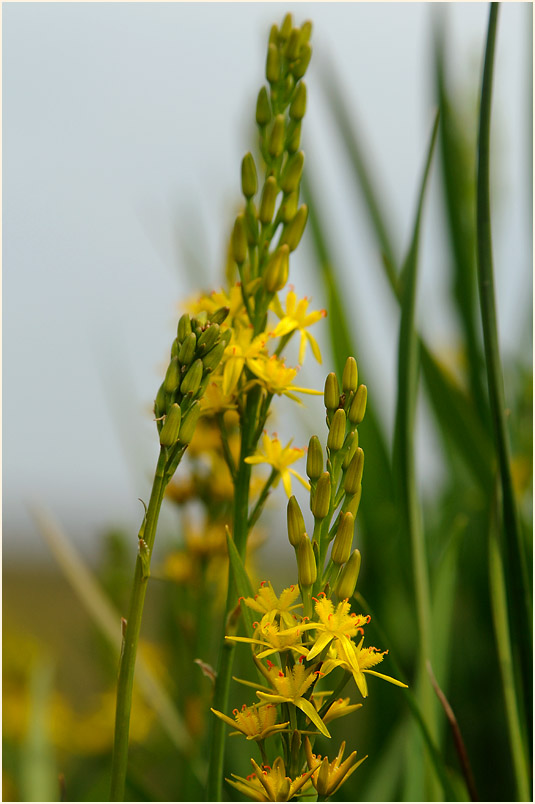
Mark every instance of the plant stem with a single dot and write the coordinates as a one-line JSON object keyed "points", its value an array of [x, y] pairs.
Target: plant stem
{"points": [[128, 657]]}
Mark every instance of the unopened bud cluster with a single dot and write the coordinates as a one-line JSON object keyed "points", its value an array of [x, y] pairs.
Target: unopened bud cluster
{"points": [[195, 354]]}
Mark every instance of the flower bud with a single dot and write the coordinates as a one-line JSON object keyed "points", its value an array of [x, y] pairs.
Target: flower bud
{"points": [[293, 138], [184, 327], [192, 379], [160, 403], [351, 446], [172, 376], [294, 43], [220, 315], [187, 350], [269, 198], [291, 175], [306, 31], [286, 27], [226, 336], [277, 270], [344, 539], [354, 472], [299, 68], [293, 232], [263, 108], [208, 338], [314, 458], [175, 346], [353, 505], [337, 431], [288, 208], [350, 375], [347, 580], [249, 181], [358, 405], [171, 427], [296, 523], [212, 360], [306, 562], [276, 139], [331, 394], [299, 103], [272, 64], [239, 240], [189, 422], [251, 225], [321, 499], [273, 35]]}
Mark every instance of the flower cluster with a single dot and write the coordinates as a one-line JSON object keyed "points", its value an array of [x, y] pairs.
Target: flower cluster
{"points": [[308, 634]]}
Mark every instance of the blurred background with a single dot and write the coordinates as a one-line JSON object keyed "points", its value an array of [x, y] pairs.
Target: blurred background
{"points": [[124, 129]]}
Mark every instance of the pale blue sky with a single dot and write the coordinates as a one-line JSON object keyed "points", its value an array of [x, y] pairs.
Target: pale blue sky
{"points": [[124, 128]]}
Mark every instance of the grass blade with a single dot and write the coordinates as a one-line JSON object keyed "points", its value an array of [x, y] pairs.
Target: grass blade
{"points": [[39, 778], [513, 548]]}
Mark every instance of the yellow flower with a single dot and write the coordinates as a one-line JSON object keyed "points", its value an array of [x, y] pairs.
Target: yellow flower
{"points": [[268, 634], [266, 602], [210, 302], [296, 317], [328, 776], [277, 378], [337, 624], [358, 660], [270, 784], [242, 349], [279, 458], [255, 722], [337, 709], [290, 688]]}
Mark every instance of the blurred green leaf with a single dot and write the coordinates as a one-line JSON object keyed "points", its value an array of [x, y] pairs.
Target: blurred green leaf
{"points": [[39, 775]]}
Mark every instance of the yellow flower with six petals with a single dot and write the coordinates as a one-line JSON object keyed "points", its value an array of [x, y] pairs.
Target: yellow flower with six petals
{"points": [[279, 458], [297, 318]]}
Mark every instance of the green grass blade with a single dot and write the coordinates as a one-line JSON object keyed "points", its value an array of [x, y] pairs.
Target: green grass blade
{"points": [[515, 564], [39, 777], [408, 364], [458, 181], [242, 582]]}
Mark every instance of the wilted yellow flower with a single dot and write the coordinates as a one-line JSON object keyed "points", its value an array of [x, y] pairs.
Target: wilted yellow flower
{"points": [[279, 457], [297, 318]]}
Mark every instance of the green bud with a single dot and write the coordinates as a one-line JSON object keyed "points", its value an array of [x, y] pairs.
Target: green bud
{"points": [[314, 458], [269, 198], [351, 446], [171, 427], [344, 539], [272, 64], [226, 336], [286, 27], [293, 138], [294, 44], [208, 338], [273, 35], [184, 327], [189, 422], [239, 240], [251, 225], [263, 108], [192, 379], [175, 346], [220, 315], [350, 375], [353, 505], [288, 208], [299, 67], [187, 350], [321, 499], [306, 563], [324, 784], [306, 31], [172, 376], [293, 231], [249, 182], [358, 405], [291, 175], [276, 139], [160, 403], [296, 523], [331, 394], [277, 270], [354, 472], [298, 105], [337, 431], [347, 581], [212, 360]]}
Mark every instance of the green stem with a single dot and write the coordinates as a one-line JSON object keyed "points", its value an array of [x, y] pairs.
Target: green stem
{"points": [[513, 547], [257, 510], [131, 638]]}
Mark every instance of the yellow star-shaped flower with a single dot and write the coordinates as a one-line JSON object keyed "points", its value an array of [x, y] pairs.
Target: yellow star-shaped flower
{"points": [[266, 602], [296, 317], [277, 378], [279, 458], [290, 687], [255, 722], [270, 784]]}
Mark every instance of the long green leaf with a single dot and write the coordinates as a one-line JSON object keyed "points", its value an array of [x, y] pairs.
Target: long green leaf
{"points": [[242, 582]]}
